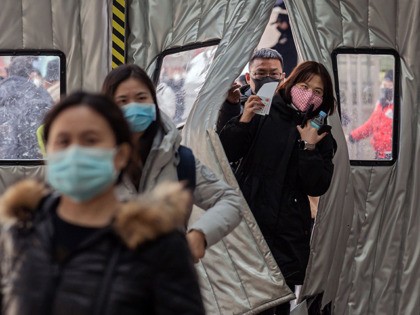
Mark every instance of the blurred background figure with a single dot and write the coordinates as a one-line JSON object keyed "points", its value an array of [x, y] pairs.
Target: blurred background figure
{"points": [[36, 77], [171, 88], [52, 79], [181, 79], [196, 74], [22, 106], [167, 99], [379, 124], [285, 45], [3, 70]]}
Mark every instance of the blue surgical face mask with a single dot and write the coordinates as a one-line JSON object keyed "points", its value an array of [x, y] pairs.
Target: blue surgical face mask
{"points": [[81, 173], [139, 115]]}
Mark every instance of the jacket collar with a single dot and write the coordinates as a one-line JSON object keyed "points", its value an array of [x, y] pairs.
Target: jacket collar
{"points": [[164, 148]]}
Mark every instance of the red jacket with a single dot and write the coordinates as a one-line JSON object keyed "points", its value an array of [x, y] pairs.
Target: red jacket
{"points": [[379, 126]]}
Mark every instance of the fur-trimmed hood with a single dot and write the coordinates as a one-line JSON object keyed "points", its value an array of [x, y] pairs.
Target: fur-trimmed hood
{"points": [[152, 214]]}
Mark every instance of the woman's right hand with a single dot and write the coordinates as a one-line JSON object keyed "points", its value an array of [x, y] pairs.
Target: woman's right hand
{"points": [[252, 104]]}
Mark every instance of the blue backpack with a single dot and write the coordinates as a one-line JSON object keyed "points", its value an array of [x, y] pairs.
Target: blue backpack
{"points": [[186, 167]]}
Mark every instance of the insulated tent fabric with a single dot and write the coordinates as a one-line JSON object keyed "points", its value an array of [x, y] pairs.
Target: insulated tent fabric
{"points": [[365, 252], [238, 275], [80, 29]]}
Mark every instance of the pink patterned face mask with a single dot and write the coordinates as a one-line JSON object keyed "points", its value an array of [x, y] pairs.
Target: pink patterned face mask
{"points": [[302, 98]]}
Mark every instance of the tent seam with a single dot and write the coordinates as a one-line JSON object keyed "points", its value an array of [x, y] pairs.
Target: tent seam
{"points": [[237, 274], [211, 287], [368, 23], [52, 25], [400, 262], [375, 246], [23, 33], [379, 234], [199, 21], [81, 44]]}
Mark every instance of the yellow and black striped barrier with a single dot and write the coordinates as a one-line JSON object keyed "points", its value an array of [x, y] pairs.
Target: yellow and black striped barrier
{"points": [[118, 32]]}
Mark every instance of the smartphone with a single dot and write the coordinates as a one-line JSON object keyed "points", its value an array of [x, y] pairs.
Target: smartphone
{"points": [[324, 128]]}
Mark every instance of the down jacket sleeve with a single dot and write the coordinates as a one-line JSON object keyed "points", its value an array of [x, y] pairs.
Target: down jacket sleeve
{"points": [[221, 202], [316, 167], [176, 289], [237, 137], [226, 113]]}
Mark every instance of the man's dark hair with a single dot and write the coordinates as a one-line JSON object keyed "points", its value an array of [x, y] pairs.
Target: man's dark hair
{"points": [[266, 53]]}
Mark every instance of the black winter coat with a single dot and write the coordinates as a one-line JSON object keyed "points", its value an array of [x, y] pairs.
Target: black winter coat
{"points": [[157, 277], [229, 110], [276, 178]]}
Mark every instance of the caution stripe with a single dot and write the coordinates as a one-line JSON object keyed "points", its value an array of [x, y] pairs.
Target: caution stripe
{"points": [[118, 32]]}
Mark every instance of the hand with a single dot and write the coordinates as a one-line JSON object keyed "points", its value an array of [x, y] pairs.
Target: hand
{"points": [[197, 244], [310, 134], [252, 104], [234, 94]]}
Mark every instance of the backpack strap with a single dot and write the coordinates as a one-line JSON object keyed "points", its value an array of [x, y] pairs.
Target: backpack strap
{"points": [[186, 167]]}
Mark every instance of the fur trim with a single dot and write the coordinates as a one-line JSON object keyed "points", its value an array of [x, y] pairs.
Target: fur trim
{"points": [[20, 200], [161, 211], [152, 214]]}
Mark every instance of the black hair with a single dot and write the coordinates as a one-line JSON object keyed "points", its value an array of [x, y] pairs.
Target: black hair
{"points": [[100, 104], [110, 85], [266, 53], [304, 72], [124, 72]]}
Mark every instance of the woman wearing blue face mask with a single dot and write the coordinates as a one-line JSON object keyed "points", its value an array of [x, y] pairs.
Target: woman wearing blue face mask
{"points": [[81, 251], [156, 156]]}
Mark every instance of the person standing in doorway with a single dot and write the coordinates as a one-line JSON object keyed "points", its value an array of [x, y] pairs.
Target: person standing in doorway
{"points": [[283, 160]]}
